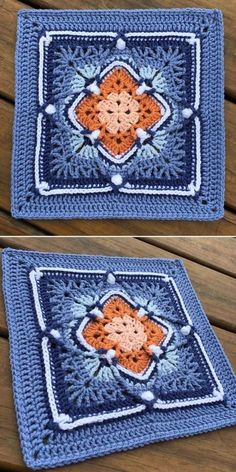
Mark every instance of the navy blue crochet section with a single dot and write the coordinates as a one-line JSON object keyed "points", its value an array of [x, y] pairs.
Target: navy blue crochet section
{"points": [[119, 108], [109, 354]]}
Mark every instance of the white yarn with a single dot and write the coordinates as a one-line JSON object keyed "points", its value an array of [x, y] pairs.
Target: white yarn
{"points": [[50, 109], [142, 88], [141, 311], [55, 333], [185, 330], [187, 112], [94, 88], [43, 185], [142, 135], [120, 43], [148, 396], [94, 135], [95, 311], [110, 355], [156, 350], [117, 179], [111, 279]]}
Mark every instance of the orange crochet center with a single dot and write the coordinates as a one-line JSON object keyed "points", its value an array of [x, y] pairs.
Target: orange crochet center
{"points": [[123, 330], [118, 111]]}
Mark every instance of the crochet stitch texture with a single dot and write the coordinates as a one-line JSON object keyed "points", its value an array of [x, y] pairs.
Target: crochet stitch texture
{"points": [[109, 354], [116, 115]]}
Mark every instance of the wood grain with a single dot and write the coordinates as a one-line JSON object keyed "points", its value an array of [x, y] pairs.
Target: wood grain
{"points": [[211, 452], [8, 27], [8, 226], [225, 226], [205, 251], [216, 291]]}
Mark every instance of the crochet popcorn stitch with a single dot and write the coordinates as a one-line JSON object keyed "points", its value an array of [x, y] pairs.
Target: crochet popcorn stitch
{"points": [[109, 354], [120, 112]]}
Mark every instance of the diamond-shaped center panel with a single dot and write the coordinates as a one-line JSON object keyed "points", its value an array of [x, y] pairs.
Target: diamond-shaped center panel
{"points": [[116, 110], [122, 329]]}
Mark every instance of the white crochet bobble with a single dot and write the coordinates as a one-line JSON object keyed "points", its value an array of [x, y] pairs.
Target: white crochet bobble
{"points": [[111, 279], [187, 112], [185, 330], [148, 396], [50, 109], [94, 135], [156, 350], [94, 88], [142, 135], [110, 355], [120, 44], [55, 333], [117, 179]]}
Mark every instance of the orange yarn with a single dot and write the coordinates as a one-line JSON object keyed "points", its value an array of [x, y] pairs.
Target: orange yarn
{"points": [[118, 111], [123, 330]]}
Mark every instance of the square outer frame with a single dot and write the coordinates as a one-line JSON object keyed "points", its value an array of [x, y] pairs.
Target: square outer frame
{"points": [[137, 430], [117, 205]]}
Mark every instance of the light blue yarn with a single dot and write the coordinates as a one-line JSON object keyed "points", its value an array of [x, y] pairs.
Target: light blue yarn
{"points": [[209, 203], [121, 434]]}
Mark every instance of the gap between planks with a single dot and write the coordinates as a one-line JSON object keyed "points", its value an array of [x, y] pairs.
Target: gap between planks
{"points": [[208, 294], [168, 243]]}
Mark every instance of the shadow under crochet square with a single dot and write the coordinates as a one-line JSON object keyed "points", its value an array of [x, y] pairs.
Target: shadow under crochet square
{"points": [[109, 354], [120, 112]]}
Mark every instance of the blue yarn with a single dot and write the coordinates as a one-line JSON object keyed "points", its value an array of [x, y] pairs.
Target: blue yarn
{"points": [[88, 383], [70, 159]]}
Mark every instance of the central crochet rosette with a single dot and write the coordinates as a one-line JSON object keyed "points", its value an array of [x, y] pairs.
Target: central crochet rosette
{"points": [[118, 111], [124, 334]]}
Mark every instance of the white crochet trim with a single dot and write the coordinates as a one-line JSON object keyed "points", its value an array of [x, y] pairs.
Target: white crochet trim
{"points": [[64, 421], [166, 327], [119, 158], [128, 188]]}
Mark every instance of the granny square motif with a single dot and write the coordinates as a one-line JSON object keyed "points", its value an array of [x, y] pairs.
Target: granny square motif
{"points": [[119, 114], [109, 354]]}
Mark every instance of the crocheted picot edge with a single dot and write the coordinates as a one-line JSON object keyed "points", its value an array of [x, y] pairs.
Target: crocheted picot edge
{"points": [[19, 311], [119, 205]]}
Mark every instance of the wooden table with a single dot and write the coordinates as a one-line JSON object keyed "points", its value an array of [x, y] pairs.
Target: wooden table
{"points": [[212, 270], [9, 226]]}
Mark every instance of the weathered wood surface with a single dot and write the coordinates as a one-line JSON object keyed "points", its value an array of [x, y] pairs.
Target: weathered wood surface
{"points": [[8, 28], [226, 226], [211, 452], [213, 287]]}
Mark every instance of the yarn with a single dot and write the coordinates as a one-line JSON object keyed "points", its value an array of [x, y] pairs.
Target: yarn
{"points": [[130, 93], [75, 378]]}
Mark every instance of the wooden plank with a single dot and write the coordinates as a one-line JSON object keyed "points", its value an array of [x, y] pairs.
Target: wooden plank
{"points": [[216, 253], [209, 452], [230, 177], [8, 226], [9, 8], [216, 291], [225, 226]]}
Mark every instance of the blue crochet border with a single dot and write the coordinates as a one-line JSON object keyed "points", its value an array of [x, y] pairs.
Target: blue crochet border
{"points": [[208, 205], [124, 433]]}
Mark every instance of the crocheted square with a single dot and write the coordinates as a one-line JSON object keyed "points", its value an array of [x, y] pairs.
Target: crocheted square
{"points": [[109, 354], [116, 115]]}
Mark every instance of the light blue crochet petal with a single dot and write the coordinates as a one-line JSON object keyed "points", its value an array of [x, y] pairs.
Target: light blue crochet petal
{"points": [[88, 152], [77, 141], [147, 72], [78, 310], [77, 83], [159, 83], [159, 140], [147, 151], [90, 71]]}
